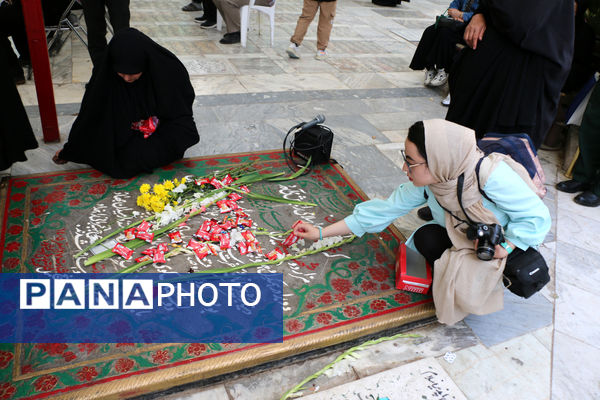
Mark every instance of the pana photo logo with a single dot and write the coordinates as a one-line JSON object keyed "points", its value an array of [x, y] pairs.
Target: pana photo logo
{"points": [[141, 308], [129, 294]]}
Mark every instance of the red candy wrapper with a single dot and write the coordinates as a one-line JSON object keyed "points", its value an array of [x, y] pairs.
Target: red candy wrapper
{"points": [[146, 126], [143, 258], [123, 251], [232, 205], [243, 248], [130, 234], [175, 237], [223, 206], [159, 258], [149, 252], [248, 236], [163, 247], [290, 240], [227, 225], [216, 183], [235, 196], [192, 244], [206, 225], [296, 224], [144, 226], [254, 247], [145, 235], [275, 254], [240, 213], [227, 180], [244, 222], [202, 235], [201, 252], [214, 249], [202, 181], [225, 241], [244, 188]]}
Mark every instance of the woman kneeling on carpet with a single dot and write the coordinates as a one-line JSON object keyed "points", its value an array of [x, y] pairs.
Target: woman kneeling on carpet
{"points": [[439, 157], [136, 113]]}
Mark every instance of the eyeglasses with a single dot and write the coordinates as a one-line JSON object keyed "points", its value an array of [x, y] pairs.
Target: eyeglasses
{"points": [[410, 165]]}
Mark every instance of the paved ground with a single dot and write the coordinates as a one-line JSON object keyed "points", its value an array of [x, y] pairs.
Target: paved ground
{"points": [[539, 348]]}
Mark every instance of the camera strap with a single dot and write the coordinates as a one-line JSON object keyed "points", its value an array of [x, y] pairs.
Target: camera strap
{"points": [[459, 190]]}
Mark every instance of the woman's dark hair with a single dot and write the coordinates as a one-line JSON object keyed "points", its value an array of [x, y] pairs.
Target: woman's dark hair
{"points": [[416, 134]]}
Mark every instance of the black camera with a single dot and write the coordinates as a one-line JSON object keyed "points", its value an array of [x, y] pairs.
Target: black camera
{"points": [[489, 237]]}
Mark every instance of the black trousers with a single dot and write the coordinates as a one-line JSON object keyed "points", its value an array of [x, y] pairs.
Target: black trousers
{"points": [[210, 10], [431, 241], [94, 11], [436, 48]]}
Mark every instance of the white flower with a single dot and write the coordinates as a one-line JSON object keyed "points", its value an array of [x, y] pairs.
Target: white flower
{"points": [[169, 215], [180, 188]]}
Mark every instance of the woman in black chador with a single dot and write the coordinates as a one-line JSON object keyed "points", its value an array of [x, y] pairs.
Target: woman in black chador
{"points": [[510, 77], [136, 113], [16, 134]]}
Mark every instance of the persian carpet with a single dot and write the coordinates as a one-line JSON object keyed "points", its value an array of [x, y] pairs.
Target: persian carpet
{"points": [[329, 298]]}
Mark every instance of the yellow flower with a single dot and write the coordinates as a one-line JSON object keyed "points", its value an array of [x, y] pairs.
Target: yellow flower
{"points": [[144, 201], [183, 180], [159, 190], [145, 188], [176, 182], [157, 205], [168, 185]]}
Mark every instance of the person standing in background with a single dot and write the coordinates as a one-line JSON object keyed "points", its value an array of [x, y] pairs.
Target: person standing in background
{"points": [[509, 78], [94, 12], [326, 16]]}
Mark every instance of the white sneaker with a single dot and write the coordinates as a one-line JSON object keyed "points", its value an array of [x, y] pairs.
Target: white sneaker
{"points": [[293, 51], [321, 54], [446, 101], [440, 78], [429, 75]]}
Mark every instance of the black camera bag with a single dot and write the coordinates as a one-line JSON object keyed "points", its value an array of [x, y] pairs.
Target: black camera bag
{"points": [[525, 272]]}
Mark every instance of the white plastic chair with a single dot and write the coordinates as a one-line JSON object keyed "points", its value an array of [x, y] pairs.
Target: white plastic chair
{"points": [[245, 20]]}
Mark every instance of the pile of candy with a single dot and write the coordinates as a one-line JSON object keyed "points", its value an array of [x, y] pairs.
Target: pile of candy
{"points": [[211, 237]]}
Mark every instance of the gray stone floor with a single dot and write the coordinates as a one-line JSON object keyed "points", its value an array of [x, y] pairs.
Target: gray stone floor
{"points": [[540, 348]]}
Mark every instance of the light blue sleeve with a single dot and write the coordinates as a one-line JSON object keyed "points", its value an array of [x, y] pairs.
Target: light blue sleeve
{"points": [[528, 217], [377, 214]]}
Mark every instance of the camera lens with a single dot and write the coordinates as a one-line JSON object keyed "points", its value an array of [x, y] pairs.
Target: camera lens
{"points": [[485, 253]]}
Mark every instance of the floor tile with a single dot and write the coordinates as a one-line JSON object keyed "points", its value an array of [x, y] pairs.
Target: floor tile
{"points": [[518, 317], [423, 379], [435, 340], [574, 369], [578, 267], [271, 385], [211, 393], [282, 82], [577, 313], [581, 230]]}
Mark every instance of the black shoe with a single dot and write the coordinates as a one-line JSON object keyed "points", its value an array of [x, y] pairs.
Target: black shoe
{"points": [[200, 19], [230, 38], [587, 199], [425, 214], [572, 186], [208, 24]]}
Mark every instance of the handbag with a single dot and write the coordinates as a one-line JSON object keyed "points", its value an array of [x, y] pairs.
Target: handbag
{"points": [[525, 272]]}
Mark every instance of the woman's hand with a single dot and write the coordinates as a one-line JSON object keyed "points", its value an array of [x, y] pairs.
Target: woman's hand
{"points": [[455, 14], [500, 252], [305, 230], [475, 30]]}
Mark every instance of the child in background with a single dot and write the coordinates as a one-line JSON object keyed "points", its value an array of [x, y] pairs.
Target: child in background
{"points": [[309, 10]]}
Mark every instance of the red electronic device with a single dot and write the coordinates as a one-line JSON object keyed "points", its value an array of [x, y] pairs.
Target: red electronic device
{"points": [[413, 272]]}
